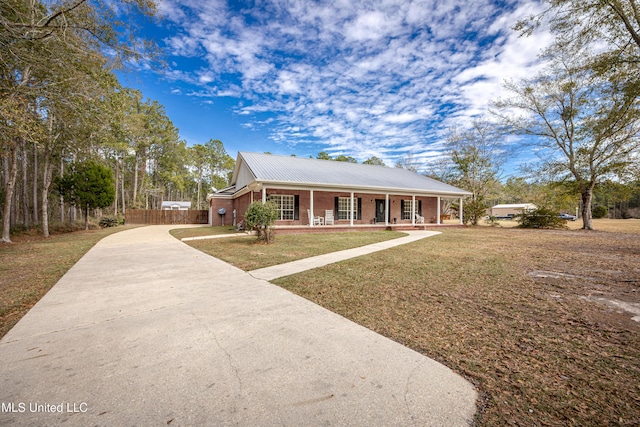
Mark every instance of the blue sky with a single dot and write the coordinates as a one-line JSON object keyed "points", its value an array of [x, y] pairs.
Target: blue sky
{"points": [[383, 78]]}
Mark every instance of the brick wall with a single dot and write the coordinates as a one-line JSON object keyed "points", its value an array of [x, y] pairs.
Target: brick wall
{"points": [[326, 200]]}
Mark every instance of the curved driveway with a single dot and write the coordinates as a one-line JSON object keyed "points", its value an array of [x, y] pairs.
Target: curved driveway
{"points": [[145, 330]]}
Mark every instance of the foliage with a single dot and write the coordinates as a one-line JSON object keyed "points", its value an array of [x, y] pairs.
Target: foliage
{"points": [[373, 160], [587, 127], [474, 211], [107, 221], [584, 106], [88, 185], [260, 217], [541, 218], [600, 211]]}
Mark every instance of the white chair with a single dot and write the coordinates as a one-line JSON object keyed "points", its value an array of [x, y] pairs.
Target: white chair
{"points": [[328, 217], [315, 220], [419, 219]]}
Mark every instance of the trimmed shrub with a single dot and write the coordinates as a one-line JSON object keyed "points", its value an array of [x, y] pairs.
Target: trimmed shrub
{"points": [[260, 218], [541, 218]]}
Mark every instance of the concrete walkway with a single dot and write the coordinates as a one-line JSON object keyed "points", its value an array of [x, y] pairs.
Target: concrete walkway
{"points": [[145, 330], [293, 267]]}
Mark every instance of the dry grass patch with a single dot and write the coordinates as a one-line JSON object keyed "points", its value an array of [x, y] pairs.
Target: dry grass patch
{"points": [[247, 254], [31, 265], [523, 314]]}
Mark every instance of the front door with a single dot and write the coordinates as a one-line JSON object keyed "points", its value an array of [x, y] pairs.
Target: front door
{"points": [[380, 210]]}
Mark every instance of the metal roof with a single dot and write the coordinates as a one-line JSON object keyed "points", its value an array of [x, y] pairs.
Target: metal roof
{"points": [[516, 206], [274, 169]]}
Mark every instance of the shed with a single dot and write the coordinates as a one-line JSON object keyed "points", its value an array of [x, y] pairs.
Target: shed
{"points": [[509, 211], [175, 206]]}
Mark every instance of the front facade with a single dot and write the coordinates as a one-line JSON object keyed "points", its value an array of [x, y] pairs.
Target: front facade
{"points": [[311, 192]]}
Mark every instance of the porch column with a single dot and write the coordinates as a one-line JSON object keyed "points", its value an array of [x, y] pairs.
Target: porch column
{"points": [[461, 212], [351, 212], [413, 210], [386, 210], [311, 208], [438, 212], [264, 195]]}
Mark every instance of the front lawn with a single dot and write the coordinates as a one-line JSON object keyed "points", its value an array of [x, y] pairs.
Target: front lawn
{"points": [[532, 317], [245, 253]]}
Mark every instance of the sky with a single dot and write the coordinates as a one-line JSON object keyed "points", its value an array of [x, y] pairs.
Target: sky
{"points": [[384, 78]]}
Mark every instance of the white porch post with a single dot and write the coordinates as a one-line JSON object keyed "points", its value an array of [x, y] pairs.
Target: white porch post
{"points": [[386, 210], [438, 212], [351, 212], [413, 210], [461, 212], [264, 195], [311, 208]]}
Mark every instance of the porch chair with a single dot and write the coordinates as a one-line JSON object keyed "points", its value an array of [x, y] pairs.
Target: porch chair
{"points": [[328, 217], [419, 219], [315, 220]]}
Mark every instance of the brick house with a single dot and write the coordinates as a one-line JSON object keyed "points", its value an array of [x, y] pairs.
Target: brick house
{"points": [[355, 194]]}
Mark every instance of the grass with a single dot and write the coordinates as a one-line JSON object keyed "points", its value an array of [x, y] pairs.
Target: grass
{"points": [[526, 315], [31, 265], [245, 253], [523, 314], [181, 233]]}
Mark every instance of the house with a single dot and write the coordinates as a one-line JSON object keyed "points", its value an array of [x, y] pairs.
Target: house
{"points": [[353, 194], [509, 211], [176, 206]]}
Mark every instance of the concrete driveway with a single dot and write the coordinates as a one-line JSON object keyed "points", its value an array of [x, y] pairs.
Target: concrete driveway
{"points": [[145, 330]]}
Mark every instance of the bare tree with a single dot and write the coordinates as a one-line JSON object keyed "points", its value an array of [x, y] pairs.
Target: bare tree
{"points": [[585, 125]]}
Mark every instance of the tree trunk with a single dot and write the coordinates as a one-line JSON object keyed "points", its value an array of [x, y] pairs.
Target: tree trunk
{"points": [[47, 174], [61, 196], [10, 184], [587, 196], [115, 200], [35, 184], [25, 192], [86, 218], [134, 200], [122, 186]]}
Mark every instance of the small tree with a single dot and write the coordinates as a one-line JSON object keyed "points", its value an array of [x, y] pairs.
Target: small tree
{"points": [[261, 217], [88, 185]]}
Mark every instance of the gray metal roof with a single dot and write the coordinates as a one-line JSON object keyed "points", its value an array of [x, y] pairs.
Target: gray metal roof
{"points": [[268, 168]]}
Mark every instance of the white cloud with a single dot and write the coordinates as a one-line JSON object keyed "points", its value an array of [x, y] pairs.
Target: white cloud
{"points": [[363, 76]]}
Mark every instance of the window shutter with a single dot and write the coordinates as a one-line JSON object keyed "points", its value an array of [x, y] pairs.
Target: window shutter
{"points": [[359, 209], [420, 207], [296, 207], [402, 214], [335, 208]]}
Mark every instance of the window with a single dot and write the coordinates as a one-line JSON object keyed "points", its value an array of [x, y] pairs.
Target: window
{"points": [[343, 208], [286, 205], [406, 209]]}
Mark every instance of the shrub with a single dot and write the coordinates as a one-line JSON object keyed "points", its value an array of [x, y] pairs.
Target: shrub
{"points": [[599, 211], [541, 218], [106, 221], [260, 218]]}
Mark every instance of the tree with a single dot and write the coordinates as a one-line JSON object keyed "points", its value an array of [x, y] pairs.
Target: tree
{"points": [[88, 185], [586, 126], [475, 155], [260, 217], [605, 32], [373, 160]]}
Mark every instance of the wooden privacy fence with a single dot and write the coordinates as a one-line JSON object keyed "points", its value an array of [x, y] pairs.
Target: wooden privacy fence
{"points": [[158, 217]]}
